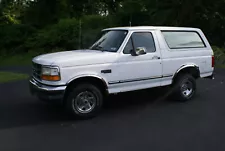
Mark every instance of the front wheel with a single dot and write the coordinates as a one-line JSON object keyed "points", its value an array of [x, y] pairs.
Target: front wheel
{"points": [[85, 101], [184, 87]]}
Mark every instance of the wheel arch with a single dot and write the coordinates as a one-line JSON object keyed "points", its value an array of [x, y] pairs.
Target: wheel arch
{"points": [[92, 79], [192, 69]]}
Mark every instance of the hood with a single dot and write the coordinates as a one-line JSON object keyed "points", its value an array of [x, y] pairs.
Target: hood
{"points": [[76, 58]]}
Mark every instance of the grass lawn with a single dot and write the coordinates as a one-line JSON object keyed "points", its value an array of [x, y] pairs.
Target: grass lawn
{"points": [[10, 76], [220, 66], [22, 59]]}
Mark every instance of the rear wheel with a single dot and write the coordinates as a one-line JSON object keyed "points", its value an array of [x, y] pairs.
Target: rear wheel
{"points": [[85, 101], [184, 87]]}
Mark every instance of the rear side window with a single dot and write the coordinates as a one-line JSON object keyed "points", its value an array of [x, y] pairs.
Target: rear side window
{"points": [[183, 39]]}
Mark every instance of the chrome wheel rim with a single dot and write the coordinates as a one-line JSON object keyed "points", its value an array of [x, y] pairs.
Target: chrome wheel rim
{"points": [[84, 102], [187, 88]]}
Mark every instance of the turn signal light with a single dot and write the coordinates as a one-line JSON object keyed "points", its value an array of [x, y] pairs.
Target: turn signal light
{"points": [[50, 78]]}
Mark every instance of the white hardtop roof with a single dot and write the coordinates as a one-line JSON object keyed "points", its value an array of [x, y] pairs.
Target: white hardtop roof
{"points": [[151, 28]]}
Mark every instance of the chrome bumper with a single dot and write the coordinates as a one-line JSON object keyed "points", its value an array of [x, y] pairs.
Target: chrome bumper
{"points": [[46, 93]]}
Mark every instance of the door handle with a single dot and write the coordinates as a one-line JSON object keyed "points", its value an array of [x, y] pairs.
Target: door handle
{"points": [[155, 57]]}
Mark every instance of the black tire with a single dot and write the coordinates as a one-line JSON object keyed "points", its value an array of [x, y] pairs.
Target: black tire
{"points": [[71, 103], [179, 87]]}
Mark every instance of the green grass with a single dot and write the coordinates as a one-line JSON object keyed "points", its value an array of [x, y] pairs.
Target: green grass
{"points": [[16, 60], [220, 66], [22, 59], [10, 76]]}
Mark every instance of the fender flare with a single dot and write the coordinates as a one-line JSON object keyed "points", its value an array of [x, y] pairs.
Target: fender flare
{"points": [[88, 76], [185, 66]]}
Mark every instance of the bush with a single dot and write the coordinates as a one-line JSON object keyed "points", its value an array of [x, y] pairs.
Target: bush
{"points": [[13, 38], [91, 26], [89, 37], [63, 35], [219, 54], [95, 22], [57, 37]]}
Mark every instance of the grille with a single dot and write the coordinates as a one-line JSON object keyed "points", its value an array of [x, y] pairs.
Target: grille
{"points": [[36, 70]]}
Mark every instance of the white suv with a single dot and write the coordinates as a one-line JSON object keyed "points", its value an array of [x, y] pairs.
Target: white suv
{"points": [[123, 59]]}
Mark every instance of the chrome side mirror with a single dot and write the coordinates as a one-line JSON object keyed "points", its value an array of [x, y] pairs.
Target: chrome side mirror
{"points": [[139, 51]]}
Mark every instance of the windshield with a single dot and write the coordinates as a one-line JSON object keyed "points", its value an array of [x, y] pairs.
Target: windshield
{"points": [[110, 40]]}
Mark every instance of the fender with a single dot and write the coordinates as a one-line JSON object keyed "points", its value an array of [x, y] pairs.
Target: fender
{"points": [[186, 66], [86, 76]]}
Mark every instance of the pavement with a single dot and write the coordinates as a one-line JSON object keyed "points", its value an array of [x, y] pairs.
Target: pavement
{"points": [[138, 121]]}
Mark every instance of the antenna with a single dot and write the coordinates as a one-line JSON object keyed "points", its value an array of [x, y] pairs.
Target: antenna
{"points": [[80, 34], [130, 19]]}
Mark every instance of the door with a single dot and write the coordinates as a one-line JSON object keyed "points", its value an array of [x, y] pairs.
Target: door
{"points": [[139, 71]]}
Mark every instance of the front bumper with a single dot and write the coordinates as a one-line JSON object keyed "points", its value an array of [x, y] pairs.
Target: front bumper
{"points": [[54, 94]]}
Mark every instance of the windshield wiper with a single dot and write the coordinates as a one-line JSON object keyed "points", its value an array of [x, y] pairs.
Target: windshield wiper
{"points": [[98, 48]]}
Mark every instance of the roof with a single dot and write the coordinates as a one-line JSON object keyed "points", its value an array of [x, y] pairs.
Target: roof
{"points": [[151, 28]]}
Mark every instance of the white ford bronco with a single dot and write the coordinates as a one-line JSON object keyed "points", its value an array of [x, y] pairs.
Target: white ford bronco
{"points": [[123, 59]]}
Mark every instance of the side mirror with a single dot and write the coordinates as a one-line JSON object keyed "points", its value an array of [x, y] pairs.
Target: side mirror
{"points": [[139, 51]]}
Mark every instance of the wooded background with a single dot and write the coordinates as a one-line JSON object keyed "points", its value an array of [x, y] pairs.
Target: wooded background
{"points": [[56, 25]]}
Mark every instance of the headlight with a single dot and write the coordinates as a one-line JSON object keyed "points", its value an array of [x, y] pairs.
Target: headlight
{"points": [[50, 73]]}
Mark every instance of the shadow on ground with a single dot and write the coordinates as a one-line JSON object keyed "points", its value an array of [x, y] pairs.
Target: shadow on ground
{"points": [[18, 108]]}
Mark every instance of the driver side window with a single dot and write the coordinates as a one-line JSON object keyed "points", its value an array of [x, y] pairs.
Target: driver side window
{"points": [[140, 39]]}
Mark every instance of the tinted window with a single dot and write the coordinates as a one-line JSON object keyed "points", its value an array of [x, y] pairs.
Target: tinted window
{"points": [[182, 39], [140, 39]]}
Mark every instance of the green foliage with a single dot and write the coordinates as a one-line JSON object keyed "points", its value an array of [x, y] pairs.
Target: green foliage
{"points": [[54, 25], [13, 38], [91, 26], [68, 34], [40, 13], [64, 35], [10, 11], [8, 18], [94, 22], [219, 54]]}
